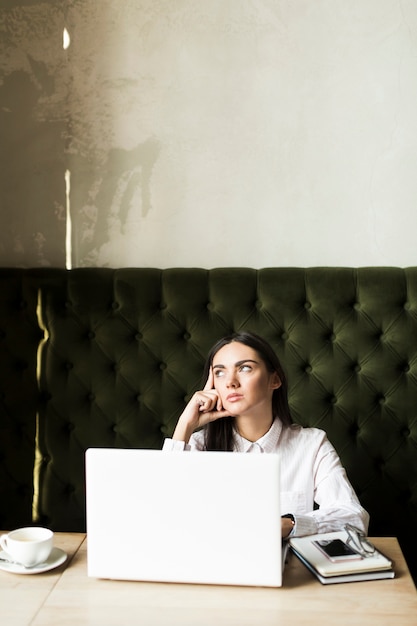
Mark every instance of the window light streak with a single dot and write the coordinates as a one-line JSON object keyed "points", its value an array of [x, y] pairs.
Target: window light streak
{"points": [[66, 39], [37, 468], [68, 235]]}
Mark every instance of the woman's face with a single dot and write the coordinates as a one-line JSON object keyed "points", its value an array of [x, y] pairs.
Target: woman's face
{"points": [[242, 380]]}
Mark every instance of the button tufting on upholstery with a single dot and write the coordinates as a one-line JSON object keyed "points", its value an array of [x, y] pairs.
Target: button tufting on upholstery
{"points": [[381, 399], [284, 336], [115, 306], [354, 430], [357, 368], [23, 489], [69, 365], [91, 334], [308, 369], [20, 429], [91, 397], [186, 336], [258, 304], [68, 304], [46, 396], [379, 464], [307, 305], [70, 427], [406, 368], [407, 306], [210, 306], [138, 336], [356, 306], [162, 366], [406, 432]]}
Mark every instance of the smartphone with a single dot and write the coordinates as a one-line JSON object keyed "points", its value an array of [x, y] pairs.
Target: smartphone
{"points": [[337, 550]]}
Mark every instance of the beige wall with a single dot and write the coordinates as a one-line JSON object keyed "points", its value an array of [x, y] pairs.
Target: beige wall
{"points": [[209, 132]]}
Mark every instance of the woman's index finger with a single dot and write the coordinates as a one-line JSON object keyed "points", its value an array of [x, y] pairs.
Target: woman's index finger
{"points": [[210, 381]]}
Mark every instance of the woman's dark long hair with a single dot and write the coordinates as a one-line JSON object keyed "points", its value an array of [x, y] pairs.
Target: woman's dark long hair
{"points": [[219, 434]]}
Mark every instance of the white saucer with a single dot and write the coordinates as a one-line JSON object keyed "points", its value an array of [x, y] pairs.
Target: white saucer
{"points": [[57, 557]]}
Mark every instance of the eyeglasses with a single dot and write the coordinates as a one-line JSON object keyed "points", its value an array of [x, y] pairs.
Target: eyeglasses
{"points": [[358, 541]]}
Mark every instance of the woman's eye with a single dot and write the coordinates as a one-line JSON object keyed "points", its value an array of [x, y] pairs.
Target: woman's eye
{"points": [[245, 368], [218, 373]]}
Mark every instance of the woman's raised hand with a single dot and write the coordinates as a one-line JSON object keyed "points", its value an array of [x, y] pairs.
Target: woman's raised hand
{"points": [[205, 406], [208, 399]]}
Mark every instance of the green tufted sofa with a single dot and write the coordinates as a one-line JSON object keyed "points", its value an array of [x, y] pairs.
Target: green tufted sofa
{"points": [[108, 357]]}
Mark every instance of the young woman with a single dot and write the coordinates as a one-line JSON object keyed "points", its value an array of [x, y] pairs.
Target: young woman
{"points": [[244, 408]]}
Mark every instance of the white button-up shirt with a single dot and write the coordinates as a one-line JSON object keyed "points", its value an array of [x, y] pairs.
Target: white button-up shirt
{"points": [[314, 485]]}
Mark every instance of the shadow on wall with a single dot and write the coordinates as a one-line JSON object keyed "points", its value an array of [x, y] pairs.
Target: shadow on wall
{"points": [[122, 182], [32, 184]]}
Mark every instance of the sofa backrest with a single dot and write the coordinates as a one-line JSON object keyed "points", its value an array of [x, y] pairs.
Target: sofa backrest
{"points": [[123, 351], [19, 340]]}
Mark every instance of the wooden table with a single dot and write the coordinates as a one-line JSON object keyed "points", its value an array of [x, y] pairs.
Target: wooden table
{"points": [[67, 596]]}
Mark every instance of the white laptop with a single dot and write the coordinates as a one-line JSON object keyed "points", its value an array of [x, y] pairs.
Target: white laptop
{"points": [[186, 517]]}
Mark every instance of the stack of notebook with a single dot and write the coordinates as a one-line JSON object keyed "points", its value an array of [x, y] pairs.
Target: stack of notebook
{"points": [[343, 569]]}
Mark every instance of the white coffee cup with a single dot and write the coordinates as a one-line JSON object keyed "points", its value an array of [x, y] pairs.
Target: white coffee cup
{"points": [[28, 546]]}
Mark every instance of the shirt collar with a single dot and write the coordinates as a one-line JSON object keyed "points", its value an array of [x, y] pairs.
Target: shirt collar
{"points": [[267, 443]]}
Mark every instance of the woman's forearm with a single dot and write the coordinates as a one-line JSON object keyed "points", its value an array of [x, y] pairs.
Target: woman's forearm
{"points": [[183, 431]]}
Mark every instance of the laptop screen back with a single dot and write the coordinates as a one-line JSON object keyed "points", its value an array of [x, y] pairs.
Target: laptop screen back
{"points": [[209, 517]]}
